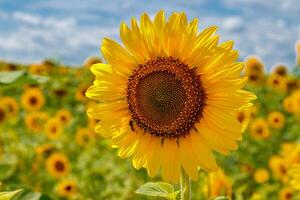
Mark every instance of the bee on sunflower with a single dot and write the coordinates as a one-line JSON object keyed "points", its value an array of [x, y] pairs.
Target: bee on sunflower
{"points": [[168, 97]]}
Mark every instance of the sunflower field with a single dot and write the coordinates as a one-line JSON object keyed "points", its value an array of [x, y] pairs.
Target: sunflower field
{"points": [[49, 148]]}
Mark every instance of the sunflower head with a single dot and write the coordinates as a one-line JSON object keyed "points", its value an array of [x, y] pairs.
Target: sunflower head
{"points": [[288, 104], [261, 175], [276, 120], [277, 82], [66, 188], [57, 165], [280, 70], [295, 98], [39, 69], [53, 128], [219, 185], [286, 193], [35, 121], [91, 60], [167, 97], [11, 105], [278, 167], [259, 129], [64, 115], [253, 64], [32, 99], [84, 136], [80, 93], [3, 114]]}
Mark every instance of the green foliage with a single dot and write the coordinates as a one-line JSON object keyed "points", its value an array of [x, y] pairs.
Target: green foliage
{"points": [[158, 189]]}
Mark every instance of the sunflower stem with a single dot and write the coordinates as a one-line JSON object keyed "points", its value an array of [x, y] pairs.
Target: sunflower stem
{"points": [[185, 186]]}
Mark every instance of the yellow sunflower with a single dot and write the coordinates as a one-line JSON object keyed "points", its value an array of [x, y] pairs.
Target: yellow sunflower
{"points": [[259, 129], [280, 70], [219, 185], [286, 193], [11, 105], [84, 136], [278, 167], [44, 150], [254, 64], [294, 174], [53, 128], [91, 60], [288, 104], [80, 93], [296, 102], [276, 120], [57, 165], [32, 99], [169, 96], [277, 82], [66, 188], [3, 114], [38, 69], [35, 121], [244, 118], [261, 175], [64, 115]]}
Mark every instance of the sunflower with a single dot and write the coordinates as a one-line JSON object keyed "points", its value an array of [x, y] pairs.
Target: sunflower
{"points": [[277, 82], [11, 106], [259, 129], [66, 188], [296, 102], [243, 117], [57, 165], [64, 115], [32, 99], [44, 150], [35, 120], [91, 60], [53, 128], [276, 120], [261, 175], [80, 93], [169, 97], [84, 136], [38, 69], [3, 114], [286, 193], [254, 64], [219, 185], [288, 104], [280, 70], [278, 167], [294, 174], [10, 67]]}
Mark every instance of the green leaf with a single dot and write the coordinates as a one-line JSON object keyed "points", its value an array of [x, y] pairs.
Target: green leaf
{"points": [[39, 79], [158, 189], [6, 170], [9, 77], [9, 195]]}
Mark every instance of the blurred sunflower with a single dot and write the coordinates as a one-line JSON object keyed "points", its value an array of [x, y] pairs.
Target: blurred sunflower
{"points": [[66, 188], [276, 120], [259, 129], [254, 70], [35, 121], [84, 136], [261, 175], [53, 128], [80, 93], [64, 115], [32, 99], [219, 185], [279, 168], [44, 150], [57, 165], [294, 173], [296, 102], [288, 104], [91, 60], [169, 96], [277, 82], [11, 105], [286, 193], [280, 70], [3, 114], [244, 118], [39, 69]]}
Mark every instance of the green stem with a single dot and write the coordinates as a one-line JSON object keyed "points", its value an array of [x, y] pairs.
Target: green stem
{"points": [[185, 186]]}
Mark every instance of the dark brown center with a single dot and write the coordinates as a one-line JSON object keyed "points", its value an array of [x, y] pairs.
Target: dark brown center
{"points": [[59, 166], [33, 100], [165, 97]]}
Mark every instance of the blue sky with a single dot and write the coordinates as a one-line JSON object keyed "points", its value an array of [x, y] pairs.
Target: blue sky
{"points": [[72, 30]]}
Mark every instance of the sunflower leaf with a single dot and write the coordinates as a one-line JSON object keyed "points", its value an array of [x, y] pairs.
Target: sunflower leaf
{"points": [[158, 189], [9, 195], [222, 198], [10, 77]]}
